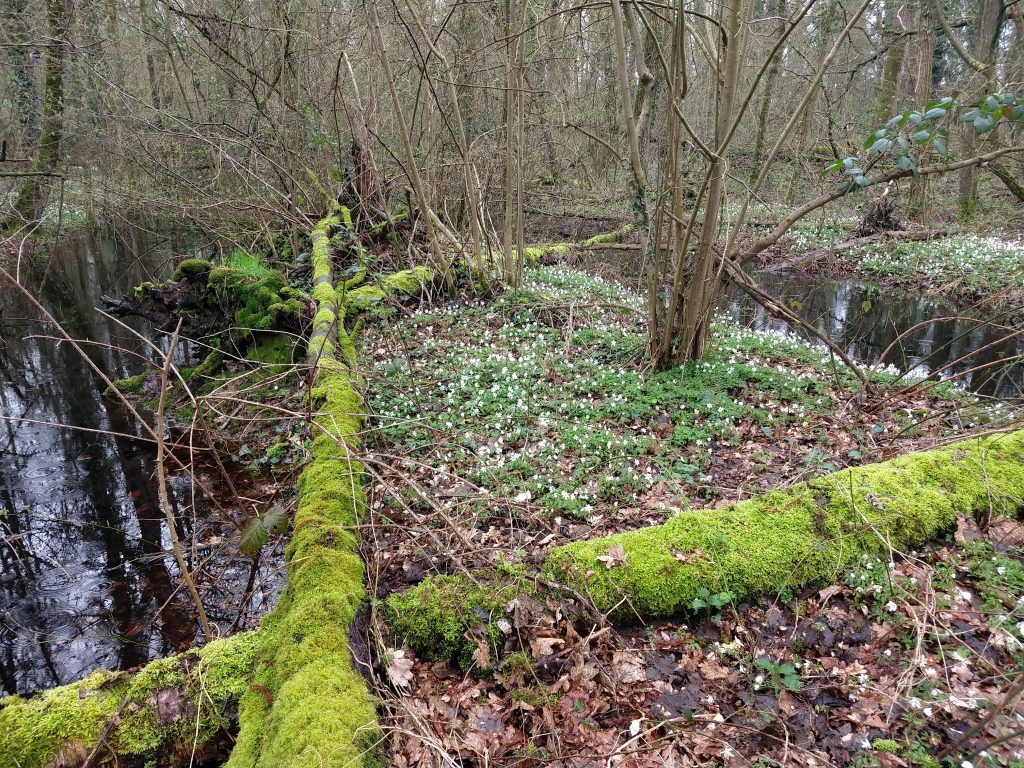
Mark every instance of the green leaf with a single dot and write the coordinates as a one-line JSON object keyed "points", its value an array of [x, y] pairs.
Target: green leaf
{"points": [[935, 113], [275, 519], [861, 181], [253, 537], [915, 118], [992, 103], [983, 124], [921, 136], [880, 145], [906, 162], [940, 147], [1017, 113]]}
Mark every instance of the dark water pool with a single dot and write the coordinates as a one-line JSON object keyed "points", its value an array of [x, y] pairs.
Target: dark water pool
{"points": [[86, 579], [981, 352]]}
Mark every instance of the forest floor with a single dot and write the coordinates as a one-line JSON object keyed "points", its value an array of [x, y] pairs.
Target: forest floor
{"points": [[500, 429]]}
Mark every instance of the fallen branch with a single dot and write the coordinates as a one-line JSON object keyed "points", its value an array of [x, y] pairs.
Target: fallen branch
{"points": [[308, 707], [806, 260]]}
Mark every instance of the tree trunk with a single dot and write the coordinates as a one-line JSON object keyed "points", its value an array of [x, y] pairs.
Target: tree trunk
{"points": [[771, 78], [32, 196], [893, 64], [703, 285], [917, 84], [23, 81], [989, 20]]}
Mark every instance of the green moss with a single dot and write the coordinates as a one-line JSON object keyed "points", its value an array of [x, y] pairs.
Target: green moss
{"points": [[275, 349], [887, 746], [204, 683], [408, 282], [803, 534], [192, 269], [205, 370], [245, 262], [255, 303], [433, 617], [127, 386], [609, 237]]}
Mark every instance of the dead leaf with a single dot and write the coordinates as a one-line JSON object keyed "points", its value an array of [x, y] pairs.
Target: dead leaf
{"points": [[688, 557], [828, 592], [616, 556], [400, 668], [628, 667], [544, 646]]}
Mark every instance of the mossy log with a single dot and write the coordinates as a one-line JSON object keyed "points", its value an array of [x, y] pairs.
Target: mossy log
{"points": [[308, 706], [163, 714], [786, 539]]}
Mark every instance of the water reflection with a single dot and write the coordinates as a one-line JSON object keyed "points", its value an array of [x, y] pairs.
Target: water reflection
{"points": [[85, 580], [866, 321]]}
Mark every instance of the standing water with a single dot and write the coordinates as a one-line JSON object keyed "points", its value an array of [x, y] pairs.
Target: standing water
{"points": [[916, 333], [86, 577]]}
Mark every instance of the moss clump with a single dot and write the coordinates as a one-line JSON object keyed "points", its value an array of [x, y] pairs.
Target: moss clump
{"points": [[408, 282], [803, 534], [193, 269], [276, 349], [205, 370], [609, 237], [127, 386], [255, 303], [433, 617], [533, 255], [171, 704]]}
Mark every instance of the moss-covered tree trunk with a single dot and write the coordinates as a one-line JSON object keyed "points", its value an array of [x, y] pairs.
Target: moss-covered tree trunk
{"points": [[164, 714], [307, 706], [781, 541]]}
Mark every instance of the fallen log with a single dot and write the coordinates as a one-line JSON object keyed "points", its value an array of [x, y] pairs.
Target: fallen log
{"points": [[786, 539], [308, 706], [167, 713]]}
